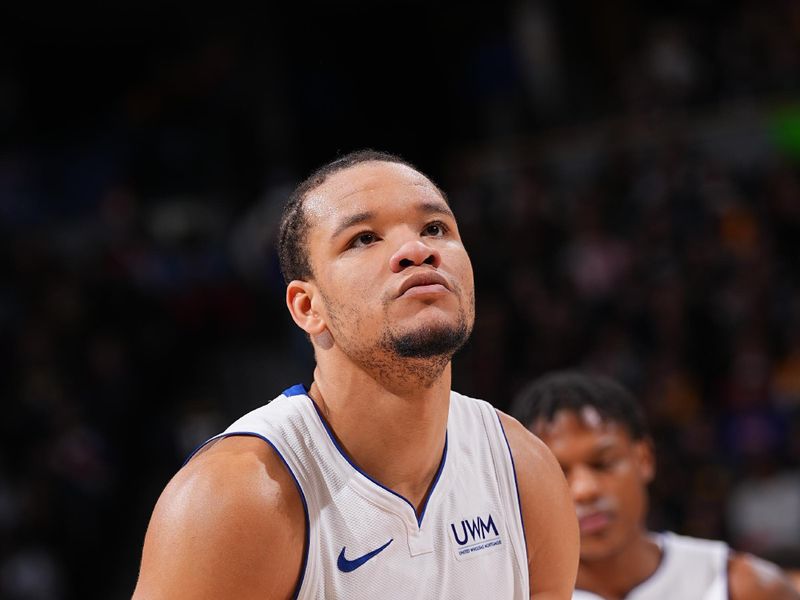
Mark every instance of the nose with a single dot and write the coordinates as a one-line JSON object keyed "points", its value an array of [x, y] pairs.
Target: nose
{"points": [[583, 484], [414, 253]]}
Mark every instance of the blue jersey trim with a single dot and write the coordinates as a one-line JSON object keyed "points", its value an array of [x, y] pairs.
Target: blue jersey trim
{"points": [[516, 485], [198, 448], [378, 483], [296, 482], [435, 481], [296, 390]]}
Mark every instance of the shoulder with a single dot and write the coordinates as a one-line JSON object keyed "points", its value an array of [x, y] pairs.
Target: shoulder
{"points": [[231, 511], [551, 527], [752, 578], [539, 476], [694, 548], [531, 456]]}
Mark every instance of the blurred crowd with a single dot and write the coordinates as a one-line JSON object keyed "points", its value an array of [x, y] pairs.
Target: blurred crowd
{"points": [[627, 182]]}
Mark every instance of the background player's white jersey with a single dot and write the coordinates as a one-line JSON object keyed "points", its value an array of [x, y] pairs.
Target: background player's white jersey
{"points": [[365, 541], [690, 569]]}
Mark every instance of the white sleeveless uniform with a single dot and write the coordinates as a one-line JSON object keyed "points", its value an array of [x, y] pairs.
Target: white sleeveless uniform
{"points": [[690, 569], [365, 541]]}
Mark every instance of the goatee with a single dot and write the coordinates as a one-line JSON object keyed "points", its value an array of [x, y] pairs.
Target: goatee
{"points": [[430, 342]]}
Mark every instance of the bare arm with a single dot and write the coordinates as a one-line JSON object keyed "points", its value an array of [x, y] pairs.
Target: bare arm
{"points": [[230, 524], [551, 528], [752, 578]]}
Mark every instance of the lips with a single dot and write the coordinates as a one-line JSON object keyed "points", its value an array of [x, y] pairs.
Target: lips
{"points": [[425, 281], [594, 522]]}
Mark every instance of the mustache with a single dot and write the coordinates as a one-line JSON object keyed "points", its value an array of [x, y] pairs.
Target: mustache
{"points": [[601, 505]]}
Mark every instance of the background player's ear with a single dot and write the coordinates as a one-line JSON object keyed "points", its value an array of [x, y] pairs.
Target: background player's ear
{"points": [[300, 300], [645, 456]]}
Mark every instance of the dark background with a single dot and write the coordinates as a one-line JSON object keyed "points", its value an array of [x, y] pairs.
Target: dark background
{"points": [[626, 179]]}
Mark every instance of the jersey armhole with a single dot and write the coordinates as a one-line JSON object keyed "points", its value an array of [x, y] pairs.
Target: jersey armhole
{"points": [[516, 485], [307, 537]]}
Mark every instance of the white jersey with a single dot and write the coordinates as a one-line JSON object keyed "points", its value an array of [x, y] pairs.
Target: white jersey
{"points": [[690, 569], [365, 541]]}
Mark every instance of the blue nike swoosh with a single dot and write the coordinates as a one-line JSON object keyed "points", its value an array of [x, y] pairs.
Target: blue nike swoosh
{"points": [[351, 565]]}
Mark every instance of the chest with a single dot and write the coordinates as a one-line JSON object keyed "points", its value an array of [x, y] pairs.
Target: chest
{"points": [[372, 544]]}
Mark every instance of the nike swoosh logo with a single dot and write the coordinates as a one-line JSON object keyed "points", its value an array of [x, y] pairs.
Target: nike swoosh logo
{"points": [[345, 566]]}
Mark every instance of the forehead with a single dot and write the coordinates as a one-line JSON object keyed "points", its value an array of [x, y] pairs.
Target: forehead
{"points": [[578, 431], [369, 185]]}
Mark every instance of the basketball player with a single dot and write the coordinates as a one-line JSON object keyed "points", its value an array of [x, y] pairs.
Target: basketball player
{"points": [[597, 432], [377, 481]]}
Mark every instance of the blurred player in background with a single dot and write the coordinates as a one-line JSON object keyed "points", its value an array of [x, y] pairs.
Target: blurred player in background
{"points": [[597, 431], [377, 481]]}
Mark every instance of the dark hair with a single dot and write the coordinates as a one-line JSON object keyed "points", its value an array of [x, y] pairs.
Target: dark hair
{"points": [[572, 391], [294, 227]]}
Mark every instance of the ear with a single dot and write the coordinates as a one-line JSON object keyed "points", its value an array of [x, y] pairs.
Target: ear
{"points": [[301, 300], [646, 459]]}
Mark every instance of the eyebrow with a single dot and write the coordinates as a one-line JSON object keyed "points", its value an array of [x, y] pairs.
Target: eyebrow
{"points": [[604, 447], [607, 445], [426, 208], [597, 452], [352, 220]]}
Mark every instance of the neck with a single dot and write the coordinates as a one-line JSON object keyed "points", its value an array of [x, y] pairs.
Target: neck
{"points": [[614, 577], [394, 433]]}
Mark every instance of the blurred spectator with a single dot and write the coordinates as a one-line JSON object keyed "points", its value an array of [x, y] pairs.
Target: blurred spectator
{"points": [[623, 179]]}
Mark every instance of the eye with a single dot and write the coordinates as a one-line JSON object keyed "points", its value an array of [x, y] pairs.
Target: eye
{"points": [[435, 229], [365, 238], [605, 464]]}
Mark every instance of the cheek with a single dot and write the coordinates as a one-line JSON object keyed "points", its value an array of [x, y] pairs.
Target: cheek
{"points": [[464, 277], [632, 498], [349, 284], [465, 267]]}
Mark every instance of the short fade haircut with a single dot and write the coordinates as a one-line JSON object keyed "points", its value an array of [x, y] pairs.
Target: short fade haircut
{"points": [[292, 242], [573, 391]]}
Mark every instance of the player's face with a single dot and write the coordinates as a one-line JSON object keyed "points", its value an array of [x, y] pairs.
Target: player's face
{"points": [[607, 472], [389, 263]]}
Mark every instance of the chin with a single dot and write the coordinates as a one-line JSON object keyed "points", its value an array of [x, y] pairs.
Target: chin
{"points": [[593, 550], [429, 341], [589, 555]]}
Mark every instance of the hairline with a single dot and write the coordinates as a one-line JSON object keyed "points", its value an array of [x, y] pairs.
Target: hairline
{"points": [[324, 178], [605, 421], [573, 391]]}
